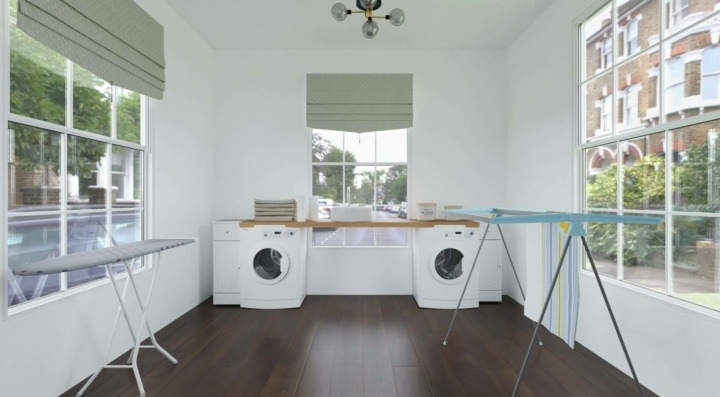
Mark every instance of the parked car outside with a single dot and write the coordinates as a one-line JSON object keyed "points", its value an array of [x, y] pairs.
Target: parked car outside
{"points": [[402, 212]]}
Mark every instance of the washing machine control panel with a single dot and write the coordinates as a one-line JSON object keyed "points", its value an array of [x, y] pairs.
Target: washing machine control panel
{"points": [[280, 233], [460, 234]]}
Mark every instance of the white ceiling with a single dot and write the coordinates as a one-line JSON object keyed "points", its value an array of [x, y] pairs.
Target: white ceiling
{"points": [[307, 24]]}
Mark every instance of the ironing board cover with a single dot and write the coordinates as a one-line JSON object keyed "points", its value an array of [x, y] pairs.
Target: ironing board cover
{"points": [[102, 256]]}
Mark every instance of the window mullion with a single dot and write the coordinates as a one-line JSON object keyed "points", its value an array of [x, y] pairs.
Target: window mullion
{"points": [[69, 94], [669, 137], [63, 205]]}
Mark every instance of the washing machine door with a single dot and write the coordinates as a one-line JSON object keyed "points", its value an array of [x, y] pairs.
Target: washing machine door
{"points": [[447, 266], [270, 265]]}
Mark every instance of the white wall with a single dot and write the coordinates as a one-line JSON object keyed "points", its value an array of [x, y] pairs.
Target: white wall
{"points": [[48, 349], [262, 147], [676, 352]]}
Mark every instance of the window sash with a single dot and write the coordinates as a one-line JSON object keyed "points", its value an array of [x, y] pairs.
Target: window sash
{"points": [[64, 212], [669, 76]]}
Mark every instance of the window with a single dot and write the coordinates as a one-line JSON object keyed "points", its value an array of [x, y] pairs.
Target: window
{"points": [[661, 158], [675, 83], [679, 9], [711, 74], [631, 38], [630, 111], [607, 53], [370, 169], [75, 166], [606, 115]]}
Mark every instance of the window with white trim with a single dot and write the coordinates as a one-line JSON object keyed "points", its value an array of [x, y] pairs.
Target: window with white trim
{"points": [[75, 165], [711, 73], [630, 110], [606, 115], [652, 169], [606, 53], [631, 38], [679, 10], [360, 169], [675, 82]]}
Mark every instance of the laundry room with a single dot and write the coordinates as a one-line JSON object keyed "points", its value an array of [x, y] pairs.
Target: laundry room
{"points": [[360, 198]]}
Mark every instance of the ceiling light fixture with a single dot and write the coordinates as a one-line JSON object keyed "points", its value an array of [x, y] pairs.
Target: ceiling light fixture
{"points": [[366, 7]]}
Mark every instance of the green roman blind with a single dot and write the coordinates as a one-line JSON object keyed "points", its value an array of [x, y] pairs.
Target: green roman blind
{"points": [[114, 39], [359, 102]]}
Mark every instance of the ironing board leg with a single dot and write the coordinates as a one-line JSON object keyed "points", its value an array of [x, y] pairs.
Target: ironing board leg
{"points": [[612, 316], [542, 315], [144, 308], [120, 309], [452, 322], [512, 265]]}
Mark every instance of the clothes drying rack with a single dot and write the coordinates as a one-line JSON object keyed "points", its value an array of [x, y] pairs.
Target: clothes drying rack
{"points": [[575, 222], [126, 253]]}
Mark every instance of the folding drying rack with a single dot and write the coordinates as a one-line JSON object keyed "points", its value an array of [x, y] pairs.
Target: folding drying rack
{"points": [[576, 228], [107, 256]]}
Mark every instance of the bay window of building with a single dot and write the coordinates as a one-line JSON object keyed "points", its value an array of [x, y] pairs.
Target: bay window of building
{"points": [[710, 85], [371, 169], [660, 157], [75, 166]]}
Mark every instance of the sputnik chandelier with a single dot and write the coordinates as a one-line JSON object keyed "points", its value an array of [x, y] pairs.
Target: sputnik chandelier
{"points": [[366, 7]]}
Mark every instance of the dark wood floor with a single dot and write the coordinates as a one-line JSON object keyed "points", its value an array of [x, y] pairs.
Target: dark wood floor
{"points": [[360, 346]]}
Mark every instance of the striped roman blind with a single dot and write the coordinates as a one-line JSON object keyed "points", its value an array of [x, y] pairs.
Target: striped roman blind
{"points": [[114, 39], [359, 102]]}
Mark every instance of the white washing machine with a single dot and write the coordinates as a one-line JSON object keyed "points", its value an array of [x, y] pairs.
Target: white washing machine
{"points": [[442, 258], [272, 267]]}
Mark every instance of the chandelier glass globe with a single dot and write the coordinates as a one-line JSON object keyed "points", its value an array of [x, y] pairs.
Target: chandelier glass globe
{"points": [[397, 17], [339, 12], [370, 29]]}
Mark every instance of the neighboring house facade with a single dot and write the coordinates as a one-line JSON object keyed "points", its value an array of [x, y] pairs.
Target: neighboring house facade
{"points": [[691, 83]]}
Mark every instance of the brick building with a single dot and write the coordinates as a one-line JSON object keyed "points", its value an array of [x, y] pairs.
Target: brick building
{"points": [[691, 81]]}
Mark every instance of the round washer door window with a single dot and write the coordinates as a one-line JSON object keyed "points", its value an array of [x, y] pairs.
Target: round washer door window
{"points": [[448, 264], [270, 265]]}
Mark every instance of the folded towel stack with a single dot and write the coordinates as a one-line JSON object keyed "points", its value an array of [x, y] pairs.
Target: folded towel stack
{"points": [[275, 210]]}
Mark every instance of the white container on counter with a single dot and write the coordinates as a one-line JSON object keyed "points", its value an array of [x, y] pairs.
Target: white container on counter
{"points": [[426, 211], [313, 208]]}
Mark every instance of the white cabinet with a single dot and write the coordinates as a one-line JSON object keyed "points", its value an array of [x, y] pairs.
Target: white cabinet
{"points": [[489, 267], [226, 263]]}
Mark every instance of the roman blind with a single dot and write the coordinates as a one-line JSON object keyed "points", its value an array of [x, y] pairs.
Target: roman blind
{"points": [[114, 39], [359, 102]]}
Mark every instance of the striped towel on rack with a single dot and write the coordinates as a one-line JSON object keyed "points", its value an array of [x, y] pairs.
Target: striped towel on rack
{"points": [[562, 313]]}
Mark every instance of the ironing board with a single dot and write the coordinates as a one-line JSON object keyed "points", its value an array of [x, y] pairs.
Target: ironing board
{"points": [[576, 228], [126, 253]]}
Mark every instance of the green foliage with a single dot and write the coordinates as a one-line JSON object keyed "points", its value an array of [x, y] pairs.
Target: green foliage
{"points": [[391, 184], [644, 188], [38, 90]]}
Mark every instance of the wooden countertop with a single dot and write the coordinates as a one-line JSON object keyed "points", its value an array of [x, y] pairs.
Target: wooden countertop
{"points": [[326, 223]]}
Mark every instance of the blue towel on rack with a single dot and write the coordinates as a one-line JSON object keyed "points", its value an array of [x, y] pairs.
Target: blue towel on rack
{"points": [[562, 313]]}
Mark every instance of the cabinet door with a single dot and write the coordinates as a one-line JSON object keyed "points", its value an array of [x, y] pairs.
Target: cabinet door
{"points": [[226, 266], [489, 266]]}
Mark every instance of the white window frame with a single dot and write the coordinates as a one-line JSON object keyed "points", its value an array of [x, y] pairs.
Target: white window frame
{"points": [[65, 131], [630, 39], [632, 95], [679, 10], [704, 84], [606, 114], [581, 144], [606, 53], [360, 164], [676, 83]]}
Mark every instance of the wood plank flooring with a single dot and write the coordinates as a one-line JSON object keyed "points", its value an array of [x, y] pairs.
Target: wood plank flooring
{"points": [[360, 346]]}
